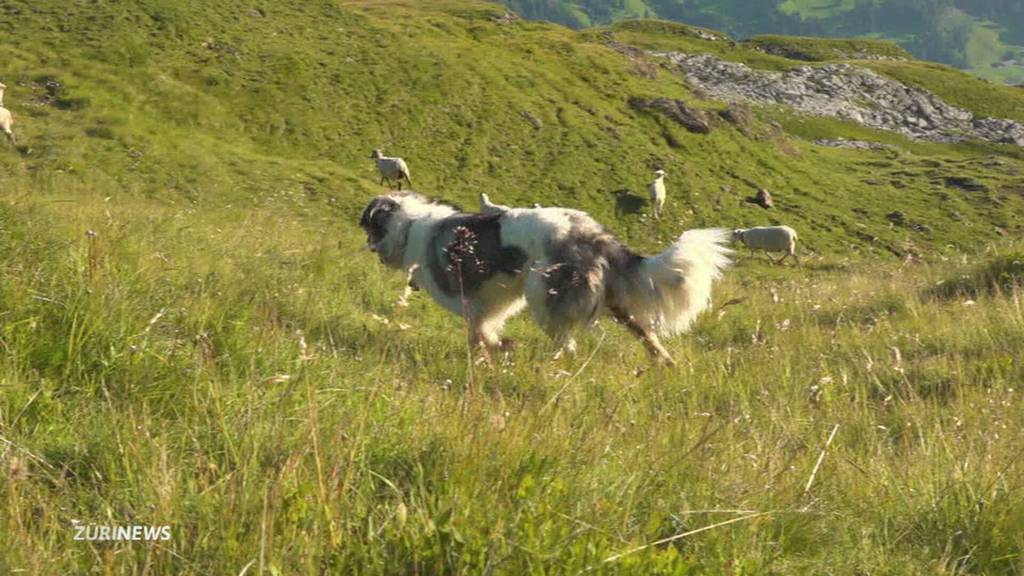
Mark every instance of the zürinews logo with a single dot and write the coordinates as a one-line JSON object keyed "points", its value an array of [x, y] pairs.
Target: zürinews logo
{"points": [[101, 533]]}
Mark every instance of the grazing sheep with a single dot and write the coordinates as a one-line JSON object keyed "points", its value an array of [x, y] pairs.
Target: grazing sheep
{"points": [[658, 192], [6, 120], [769, 239], [488, 207], [391, 168]]}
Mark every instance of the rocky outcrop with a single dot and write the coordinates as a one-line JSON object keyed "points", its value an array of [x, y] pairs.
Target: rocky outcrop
{"points": [[796, 54], [852, 144], [846, 92], [762, 199], [740, 116], [690, 118]]}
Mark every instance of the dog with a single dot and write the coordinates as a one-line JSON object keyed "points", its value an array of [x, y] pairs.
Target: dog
{"points": [[558, 262]]}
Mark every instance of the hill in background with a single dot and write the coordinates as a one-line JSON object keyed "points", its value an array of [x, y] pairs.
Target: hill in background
{"points": [[983, 36], [225, 103]]}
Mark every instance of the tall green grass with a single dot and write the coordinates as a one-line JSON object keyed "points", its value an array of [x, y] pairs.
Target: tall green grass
{"points": [[251, 383], [192, 333]]}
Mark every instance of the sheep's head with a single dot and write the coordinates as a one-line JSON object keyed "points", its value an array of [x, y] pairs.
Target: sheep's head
{"points": [[376, 154], [737, 235]]}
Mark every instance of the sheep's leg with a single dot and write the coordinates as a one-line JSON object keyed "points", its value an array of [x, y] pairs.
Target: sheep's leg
{"points": [[647, 337]]}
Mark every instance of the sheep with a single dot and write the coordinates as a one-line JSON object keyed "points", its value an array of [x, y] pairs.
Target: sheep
{"points": [[6, 120], [488, 207], [657, 190], [391, 168], [769, 239]]}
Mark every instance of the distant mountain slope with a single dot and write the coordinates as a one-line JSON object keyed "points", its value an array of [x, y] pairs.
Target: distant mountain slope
{"points": [[984, 36]]}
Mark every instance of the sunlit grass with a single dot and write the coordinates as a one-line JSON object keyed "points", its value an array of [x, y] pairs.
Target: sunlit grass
{"points": [[192, 333], [254, 385]]}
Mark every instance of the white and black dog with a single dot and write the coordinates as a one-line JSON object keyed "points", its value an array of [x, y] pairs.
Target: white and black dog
{"points": [[560, 263]]}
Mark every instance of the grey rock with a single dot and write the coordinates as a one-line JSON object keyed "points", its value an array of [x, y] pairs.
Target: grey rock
{"points": [[847, 92], [692, 119]]}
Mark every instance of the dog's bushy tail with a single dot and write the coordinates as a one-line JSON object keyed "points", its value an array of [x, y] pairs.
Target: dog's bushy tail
{"points": [[668, 291]]}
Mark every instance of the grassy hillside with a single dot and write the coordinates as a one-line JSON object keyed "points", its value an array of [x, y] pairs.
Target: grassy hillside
{"points": [[192, 333]]}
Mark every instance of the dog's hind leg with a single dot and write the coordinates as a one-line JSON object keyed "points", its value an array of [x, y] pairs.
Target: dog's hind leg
{"points": [[649, 339]]}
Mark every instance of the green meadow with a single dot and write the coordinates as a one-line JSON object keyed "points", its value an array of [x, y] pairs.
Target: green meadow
{"points": [[193, 334]]}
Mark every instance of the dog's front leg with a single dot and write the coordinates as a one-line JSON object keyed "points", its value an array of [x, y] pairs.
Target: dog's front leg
{"points": [[479, 342]]}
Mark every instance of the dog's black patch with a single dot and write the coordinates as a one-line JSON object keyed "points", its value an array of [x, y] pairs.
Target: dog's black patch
{"points": [[466, 250]]}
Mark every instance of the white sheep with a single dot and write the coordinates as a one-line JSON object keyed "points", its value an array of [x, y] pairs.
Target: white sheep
{"points": [[488, 207], [6, 120], [657, 190], [391, 168], [769, 239]]}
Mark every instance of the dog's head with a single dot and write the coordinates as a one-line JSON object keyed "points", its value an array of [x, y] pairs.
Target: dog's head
{"points": [[737, 234], [386, 221]]}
